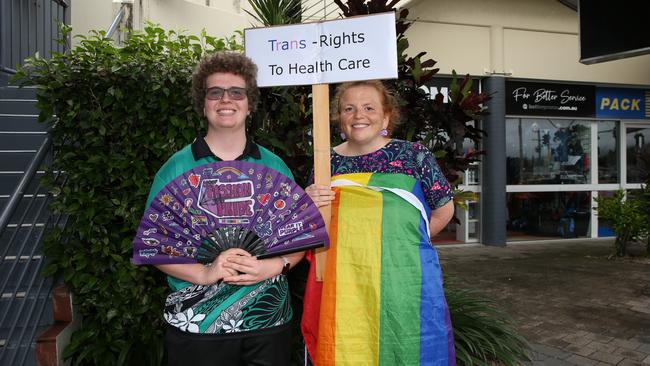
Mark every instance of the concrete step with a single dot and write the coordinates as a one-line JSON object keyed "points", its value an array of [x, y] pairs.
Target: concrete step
{"points": [[13, 301], [10, 140], [21, 123], [18, 160], [21, 250], [9, 181], [24, 240], [15, 160], [4, 80], [13, 92], [24, 266], [65, 322], [22, 353], [18, 106], [23, 205]]}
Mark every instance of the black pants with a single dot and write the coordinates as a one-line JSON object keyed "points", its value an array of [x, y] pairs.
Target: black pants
{"points": [[262, 348]]}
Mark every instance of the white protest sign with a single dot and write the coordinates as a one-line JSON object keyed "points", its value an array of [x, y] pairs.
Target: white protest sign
{"points": [[358, 48]]}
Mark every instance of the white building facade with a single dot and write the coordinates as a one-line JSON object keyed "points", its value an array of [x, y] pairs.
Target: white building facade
{"points": [[560, 133]]}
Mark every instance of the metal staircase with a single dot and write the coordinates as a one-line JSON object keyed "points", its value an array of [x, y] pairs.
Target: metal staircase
{"points": [[25, 309], [26, 27]]}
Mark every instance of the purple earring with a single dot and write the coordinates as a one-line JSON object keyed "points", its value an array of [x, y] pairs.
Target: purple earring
{"points": [[343, 137], [383, 132]]}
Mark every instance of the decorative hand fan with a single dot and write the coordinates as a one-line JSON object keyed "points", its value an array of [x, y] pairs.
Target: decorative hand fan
{"points": [[222, 205]]}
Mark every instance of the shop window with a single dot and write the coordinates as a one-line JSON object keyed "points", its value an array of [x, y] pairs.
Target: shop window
{"points": [[607, 152], [638, 153], [548, 151], [541, 215]]}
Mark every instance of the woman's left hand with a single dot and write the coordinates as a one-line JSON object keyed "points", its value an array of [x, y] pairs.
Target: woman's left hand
{"points": [[252, 270], [321, 195]]}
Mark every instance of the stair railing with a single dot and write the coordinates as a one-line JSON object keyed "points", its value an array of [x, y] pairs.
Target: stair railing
{"points": [[123, 18], [30, 285], [116, 21], [24, 182]]}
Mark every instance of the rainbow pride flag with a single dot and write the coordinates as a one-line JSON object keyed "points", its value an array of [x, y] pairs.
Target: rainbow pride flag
{"points": [[382, 300]]}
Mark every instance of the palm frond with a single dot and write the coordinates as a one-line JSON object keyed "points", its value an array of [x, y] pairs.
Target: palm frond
{"points": [[276, 12], [483, 334]]}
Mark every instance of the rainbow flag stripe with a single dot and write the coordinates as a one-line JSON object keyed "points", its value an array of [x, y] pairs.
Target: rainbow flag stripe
{"points": [[382, 301]]}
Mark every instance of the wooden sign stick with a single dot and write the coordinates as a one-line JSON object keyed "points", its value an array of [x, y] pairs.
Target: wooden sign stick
{"points": [[322, 169]]}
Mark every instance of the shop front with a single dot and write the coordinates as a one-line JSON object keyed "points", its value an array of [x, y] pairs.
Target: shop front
{"points": [[567, 144]]}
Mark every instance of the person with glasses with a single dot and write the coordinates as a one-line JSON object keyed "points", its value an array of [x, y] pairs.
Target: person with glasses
{"points": [[249, 311]]}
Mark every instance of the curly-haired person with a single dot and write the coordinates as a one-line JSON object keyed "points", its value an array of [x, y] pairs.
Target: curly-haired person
{"points": [[235, 310]]}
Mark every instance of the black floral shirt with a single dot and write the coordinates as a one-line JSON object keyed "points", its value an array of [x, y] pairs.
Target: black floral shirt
{"points": [[398, 156]]}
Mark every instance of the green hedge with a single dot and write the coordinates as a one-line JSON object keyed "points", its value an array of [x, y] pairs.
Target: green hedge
{"points": [[121, 112]]}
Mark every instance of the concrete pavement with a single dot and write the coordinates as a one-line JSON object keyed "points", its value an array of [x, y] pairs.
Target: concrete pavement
{"points": [[573, 304]]}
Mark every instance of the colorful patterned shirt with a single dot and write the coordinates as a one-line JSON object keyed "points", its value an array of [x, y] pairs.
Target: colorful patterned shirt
{"points": [[399, 156], [221, 309]]}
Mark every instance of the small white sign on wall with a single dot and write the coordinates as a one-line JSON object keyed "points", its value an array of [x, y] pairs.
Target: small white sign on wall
{"points": [[358, 48]]}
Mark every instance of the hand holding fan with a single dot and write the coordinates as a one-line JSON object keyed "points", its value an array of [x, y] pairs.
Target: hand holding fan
{"points": [[223, 205]]}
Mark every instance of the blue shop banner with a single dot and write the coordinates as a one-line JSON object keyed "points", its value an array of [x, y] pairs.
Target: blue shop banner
{"points": [[622, 103]]}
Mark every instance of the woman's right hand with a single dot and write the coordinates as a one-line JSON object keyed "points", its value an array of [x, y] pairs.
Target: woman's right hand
{"points": [[202, 274], [217, 271], [321, 195]]}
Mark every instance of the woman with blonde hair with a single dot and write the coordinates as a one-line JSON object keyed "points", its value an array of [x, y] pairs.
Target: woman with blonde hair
{"points": [[381, 300]]}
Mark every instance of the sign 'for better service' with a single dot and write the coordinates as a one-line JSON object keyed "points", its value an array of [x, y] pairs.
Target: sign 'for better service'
{"points": [[359, 48]]}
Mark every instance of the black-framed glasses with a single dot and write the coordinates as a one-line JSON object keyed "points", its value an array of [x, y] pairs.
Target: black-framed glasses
{"points": [[234, 92]]}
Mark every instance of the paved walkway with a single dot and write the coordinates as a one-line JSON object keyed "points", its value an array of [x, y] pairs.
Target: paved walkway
{"points": [[573, 305]]}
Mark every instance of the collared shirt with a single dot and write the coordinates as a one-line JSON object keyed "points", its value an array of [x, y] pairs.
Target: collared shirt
{"points": [[200, 149], [199, 153], [223, 309]]}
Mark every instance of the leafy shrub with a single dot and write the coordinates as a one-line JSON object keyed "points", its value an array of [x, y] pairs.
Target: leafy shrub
{"points": [[121, 112], [628, 217]]}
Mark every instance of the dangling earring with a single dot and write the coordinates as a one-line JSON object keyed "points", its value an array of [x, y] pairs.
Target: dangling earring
{"points": [[343, 137], [383, 132]]}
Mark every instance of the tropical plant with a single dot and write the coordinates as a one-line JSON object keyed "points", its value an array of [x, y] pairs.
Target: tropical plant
{"points": [[483, 334], [120, 113], [440, 126], [276, 12]]}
